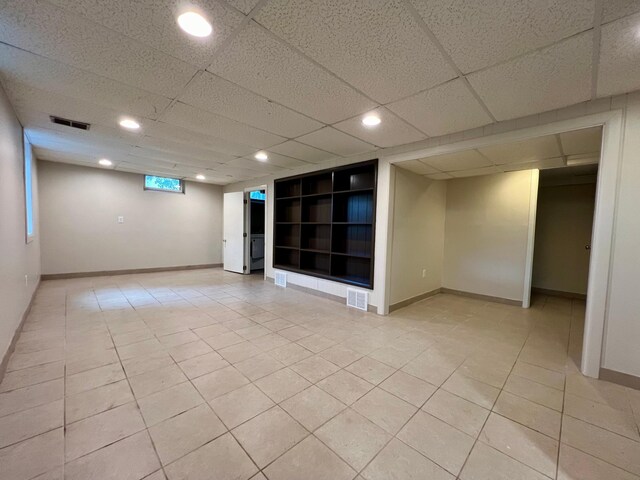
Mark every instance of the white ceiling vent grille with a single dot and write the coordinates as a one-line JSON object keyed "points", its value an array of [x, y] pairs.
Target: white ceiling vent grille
{"points": [[357, 299], [281, 279]]}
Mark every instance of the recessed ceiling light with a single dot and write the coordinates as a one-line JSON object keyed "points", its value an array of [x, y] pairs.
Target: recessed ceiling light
{"points": [[262, 156], [129, 124], [195, 24], [105, 162], [371, 120], [200, 176]]}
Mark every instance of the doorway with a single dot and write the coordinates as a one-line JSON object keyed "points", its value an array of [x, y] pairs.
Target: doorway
{"points": [[562, 251], [255, 213]]}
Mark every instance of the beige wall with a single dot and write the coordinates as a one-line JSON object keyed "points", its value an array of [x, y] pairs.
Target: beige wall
{"points": [[19, 261], [564, 221], [486, 234], [418, 235], [80, 233]]}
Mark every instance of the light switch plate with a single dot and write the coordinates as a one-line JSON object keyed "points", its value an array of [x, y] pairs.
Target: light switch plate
{"points": [[120, 219]]}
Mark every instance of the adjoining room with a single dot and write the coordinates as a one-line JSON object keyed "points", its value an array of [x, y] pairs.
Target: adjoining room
{"points": [[305, 239]]}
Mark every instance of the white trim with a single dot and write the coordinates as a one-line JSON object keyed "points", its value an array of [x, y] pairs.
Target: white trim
{"points": [[531, 238], [606, 195]]}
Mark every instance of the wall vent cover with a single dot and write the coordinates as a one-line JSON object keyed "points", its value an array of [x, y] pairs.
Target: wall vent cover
{"points": [[70, 123], [281, 279], [357, 299]]}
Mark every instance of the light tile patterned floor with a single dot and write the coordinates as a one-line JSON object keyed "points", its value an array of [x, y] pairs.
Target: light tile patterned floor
{"points": [[211, 375]]}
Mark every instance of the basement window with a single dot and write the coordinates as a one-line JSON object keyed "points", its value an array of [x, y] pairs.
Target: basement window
{"points": [[163, 184]]}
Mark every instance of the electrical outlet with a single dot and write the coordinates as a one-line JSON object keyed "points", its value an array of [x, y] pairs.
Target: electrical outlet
{"points": [[120, 219], [424, 273]]}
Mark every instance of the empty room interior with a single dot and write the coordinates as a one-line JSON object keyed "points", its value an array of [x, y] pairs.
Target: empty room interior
{"points": [[315, 239]]}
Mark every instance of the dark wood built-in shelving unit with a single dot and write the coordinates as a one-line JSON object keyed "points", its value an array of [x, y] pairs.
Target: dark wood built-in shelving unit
{"points": [[325, 223]]}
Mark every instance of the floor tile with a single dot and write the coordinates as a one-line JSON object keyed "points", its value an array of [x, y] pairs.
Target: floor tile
{"points": [[32, 457], [409, 388], [95, 432], [91, 402], [618, 421], [521, 443], [370, 370], [156, 380], [532, 415], [340, 355], [132, 458], [97, 377], [145, 347], [309, 459], [316, 343], [473, 390], [202, 364], [239, 352], [32, 396], [259, 366], [576, 465], [385, 410], [269, 435], [282, 384], [172, 401], [315, 368], [290, 353], [189, 350], [345, 386], [223, 456], [184, 433], [354, 438], [535, 392], [146, 363], [219, 382], [398, 461], [32, 376], [240, 405], [457, 412], [312, 407], [438, 441], [486, 463], [25, 424]]}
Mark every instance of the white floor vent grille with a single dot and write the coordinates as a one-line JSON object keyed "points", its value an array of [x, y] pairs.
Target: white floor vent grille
{"points": [[357, 299], [281, 279]]}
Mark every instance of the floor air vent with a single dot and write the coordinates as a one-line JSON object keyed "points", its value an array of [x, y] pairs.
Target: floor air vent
{"points": [[70, 123], [281, 279], [357, 299]]}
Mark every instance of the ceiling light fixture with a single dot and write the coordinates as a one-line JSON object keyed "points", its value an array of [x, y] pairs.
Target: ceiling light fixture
{"points": [[129, 124], [200, 176], [105, 162], [195, 24], [262, 156], [371, 120]]}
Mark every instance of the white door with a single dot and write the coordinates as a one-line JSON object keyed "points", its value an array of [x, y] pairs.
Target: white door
{"points": [[233, 231]]}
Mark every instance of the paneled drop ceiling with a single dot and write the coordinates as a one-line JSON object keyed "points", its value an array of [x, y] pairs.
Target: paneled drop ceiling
{"points": [[294, 77], [577, 147]]}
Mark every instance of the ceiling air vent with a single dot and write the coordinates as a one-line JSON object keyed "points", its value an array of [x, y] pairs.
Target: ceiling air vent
{"points": [[70, 123]]}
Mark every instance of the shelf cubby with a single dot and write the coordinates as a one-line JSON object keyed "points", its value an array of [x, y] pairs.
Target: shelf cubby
{"points": [[316, 237], [353, 207], [287, 235], [316, 209]]}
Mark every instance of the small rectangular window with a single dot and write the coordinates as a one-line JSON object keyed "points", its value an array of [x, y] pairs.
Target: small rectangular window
{"points": [[28, 189], [163, 184], [258, 195]]}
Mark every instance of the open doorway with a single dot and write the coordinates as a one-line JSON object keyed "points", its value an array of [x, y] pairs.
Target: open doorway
{"points": [[255, 215]]}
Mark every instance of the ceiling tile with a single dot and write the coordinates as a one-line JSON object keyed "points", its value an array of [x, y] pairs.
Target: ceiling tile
{"points": [[474, 172], [172, 147], [153, 22], [587, 140], [614, 9], [540, 164], [302, 152], [202, 121], [376, 46], [416, 166], [278, 160], [450, 162], [257, 61], [523, 152], [217, 95], [190, 137], [245, 6], [390, 132], [439, 176], [264, 167], [619, 69], [444, 109], [547, 79], [334, 141], [478, 34], [38, 72], [62, 35], [157, 156]]}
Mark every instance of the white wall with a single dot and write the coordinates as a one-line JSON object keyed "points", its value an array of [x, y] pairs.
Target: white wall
{"points": [[17, 258], [622, 330], [80, 233], [563, 227], [418, 235], [486, 234]]}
